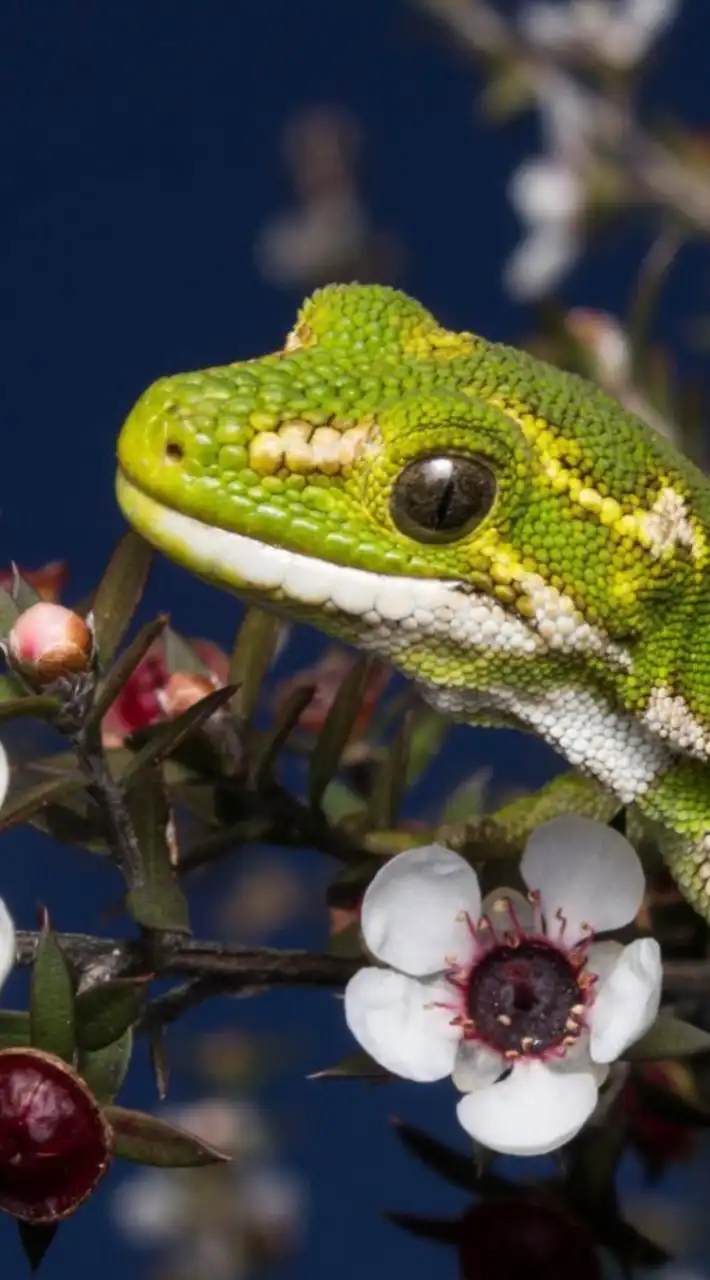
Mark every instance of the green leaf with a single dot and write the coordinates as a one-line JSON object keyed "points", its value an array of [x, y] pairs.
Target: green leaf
{"points": [[14, 1028], [35, 1238], [457, 1168], [180, 656], [390, 780], [119, 592], [426, 736], [105, 1012], [81, 826], [167, 737], [22, 591], [358, 1065], [145, 1139], [340, 802], [254, 650], [52, 1025], [157, 903], [105, 1070], [669, 1037], [347, 942], [10, 689], [289, 716], [159, 1059], [466, 801], [22, 807], [39, 705], [123, 669], [337, 729], [9, 612]]}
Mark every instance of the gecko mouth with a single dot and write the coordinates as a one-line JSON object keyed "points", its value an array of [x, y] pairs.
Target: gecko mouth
{"points": [[396, 611]]}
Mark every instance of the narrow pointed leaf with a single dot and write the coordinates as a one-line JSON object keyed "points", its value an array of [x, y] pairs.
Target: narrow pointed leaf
{"points": [[105, 1012], [454, 1166], [254, 649], [105, 1070], [427, 732], [358, 1065], [14, 1028], [22, 591], [390, 780], [20, 808], [39, 705], [336, 730], [288, 718], [9, 612], [669, 1037], [346, 942], [119, 592], [159, 1059], [145, 1139], [52, 1009], [158, 902], [80, 826], [124, 667], [10, 689], [35, 1238], [167, 737], [180, 656]]}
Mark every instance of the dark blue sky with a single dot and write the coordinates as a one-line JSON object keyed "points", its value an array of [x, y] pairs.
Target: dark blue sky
{"points": [[139, 157]]}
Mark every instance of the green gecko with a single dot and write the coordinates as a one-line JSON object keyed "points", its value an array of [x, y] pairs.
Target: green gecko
{"points": [[504, 533]]}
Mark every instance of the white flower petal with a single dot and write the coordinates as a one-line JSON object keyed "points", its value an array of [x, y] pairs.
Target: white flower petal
{"points": [[4, 774], [412, 913], [7, 942], [541, 260], [588, 870], [395, 1021], [533, 1111], [626, 1003], [508, 911], [601, 958], [546, 190], [476, 1066]]}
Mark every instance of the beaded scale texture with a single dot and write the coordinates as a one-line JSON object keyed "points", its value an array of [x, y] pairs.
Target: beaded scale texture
{"points": [[503, 532]]}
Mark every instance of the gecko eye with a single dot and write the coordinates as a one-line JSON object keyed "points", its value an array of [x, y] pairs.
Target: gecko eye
{"points": [[442, 499]]}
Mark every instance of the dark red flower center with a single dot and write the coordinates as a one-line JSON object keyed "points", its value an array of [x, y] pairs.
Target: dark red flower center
{"points": [[524, 998]]}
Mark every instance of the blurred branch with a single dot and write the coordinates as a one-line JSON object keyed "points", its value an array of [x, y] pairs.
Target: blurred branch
{"points": [[654, 173]]}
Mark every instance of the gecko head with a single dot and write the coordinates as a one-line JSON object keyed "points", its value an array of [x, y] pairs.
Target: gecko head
{"points": [[462, 509]]}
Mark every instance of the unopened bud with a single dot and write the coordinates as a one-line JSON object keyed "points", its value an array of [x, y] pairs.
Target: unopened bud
{"points": [[49, 641], [182, 691]]}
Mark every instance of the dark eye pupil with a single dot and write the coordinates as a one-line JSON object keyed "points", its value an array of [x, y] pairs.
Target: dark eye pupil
{"points": [[440, 499]]}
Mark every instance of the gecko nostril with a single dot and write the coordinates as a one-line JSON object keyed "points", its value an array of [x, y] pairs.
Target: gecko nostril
{"points": [[174, 452]]}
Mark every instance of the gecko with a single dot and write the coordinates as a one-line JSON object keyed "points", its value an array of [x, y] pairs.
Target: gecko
{"points": [[504, 533]]}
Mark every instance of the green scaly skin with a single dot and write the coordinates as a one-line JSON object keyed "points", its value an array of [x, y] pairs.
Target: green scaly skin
{"points": [[504, 533]]}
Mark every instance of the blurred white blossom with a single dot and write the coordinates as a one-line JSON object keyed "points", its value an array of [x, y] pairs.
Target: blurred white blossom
{"points": [[221, 1220], [618, 33]]}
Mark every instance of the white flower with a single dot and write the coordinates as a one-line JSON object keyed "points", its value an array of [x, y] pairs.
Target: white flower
{"points": [[549, 192], [512, 997], [4, 775], [618, 33]]}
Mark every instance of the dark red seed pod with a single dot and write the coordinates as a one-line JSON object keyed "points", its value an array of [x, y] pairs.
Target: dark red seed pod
{"points": [[55, 1144]]}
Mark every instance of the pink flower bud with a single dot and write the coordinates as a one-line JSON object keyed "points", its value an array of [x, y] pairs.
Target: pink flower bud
{"points": [[182, 691], [55, 1144], [49, 641]]}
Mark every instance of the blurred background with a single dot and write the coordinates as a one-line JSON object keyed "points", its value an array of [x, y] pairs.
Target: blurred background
{"points": [[174, 179]]}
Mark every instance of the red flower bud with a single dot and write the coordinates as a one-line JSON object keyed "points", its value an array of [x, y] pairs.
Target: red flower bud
{"points": [[49, 641], [55, 1144], [504, 1240]]}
